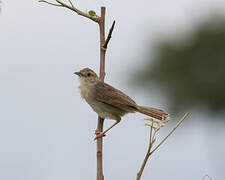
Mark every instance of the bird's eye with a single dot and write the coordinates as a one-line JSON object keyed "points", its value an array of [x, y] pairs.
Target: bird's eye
{"points": [[89, 74]]}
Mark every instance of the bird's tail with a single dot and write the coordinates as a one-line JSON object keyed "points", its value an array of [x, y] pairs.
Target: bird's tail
{"points": [[153, 112]]}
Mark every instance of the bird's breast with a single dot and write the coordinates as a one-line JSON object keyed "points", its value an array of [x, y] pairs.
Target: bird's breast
{"points": [[84, 91]]}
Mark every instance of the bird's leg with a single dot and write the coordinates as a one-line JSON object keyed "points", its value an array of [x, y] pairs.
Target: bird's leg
{"points": [[101, 134]]}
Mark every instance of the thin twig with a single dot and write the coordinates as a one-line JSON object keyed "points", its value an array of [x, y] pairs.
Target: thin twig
{"points": [[146, 157], [150, 140], [178, 124], [72, 7], [109, 35], [59, 5], [149, 152], [93, 18], [71, 3]]}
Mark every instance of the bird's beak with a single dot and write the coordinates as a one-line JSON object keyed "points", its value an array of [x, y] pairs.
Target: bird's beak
{"points": [[78, 73]]}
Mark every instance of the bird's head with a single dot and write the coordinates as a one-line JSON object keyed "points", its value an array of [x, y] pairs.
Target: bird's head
{"points": [[87, 76]]}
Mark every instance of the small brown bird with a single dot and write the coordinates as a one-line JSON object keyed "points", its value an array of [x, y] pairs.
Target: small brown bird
{"points": [[109, 102]]}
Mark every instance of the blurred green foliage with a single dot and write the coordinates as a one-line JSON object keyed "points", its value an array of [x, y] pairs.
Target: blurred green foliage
{"points": [[191, 70]]}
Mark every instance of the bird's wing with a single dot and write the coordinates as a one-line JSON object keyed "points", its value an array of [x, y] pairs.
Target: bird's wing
{"points": [[109, 95]]}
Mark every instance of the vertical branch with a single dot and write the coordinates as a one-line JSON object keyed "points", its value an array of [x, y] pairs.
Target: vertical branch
{"points": [[102, 76], [102, 41], [103, 48], [99, 150]]}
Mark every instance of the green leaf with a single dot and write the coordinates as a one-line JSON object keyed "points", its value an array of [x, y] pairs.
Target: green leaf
{"points": [[92, 13]]}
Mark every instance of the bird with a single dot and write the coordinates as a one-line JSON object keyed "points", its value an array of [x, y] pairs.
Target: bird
{"points": [[109, 102]]}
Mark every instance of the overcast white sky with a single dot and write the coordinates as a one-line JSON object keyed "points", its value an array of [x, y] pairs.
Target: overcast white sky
{"points": [[47, 130]]}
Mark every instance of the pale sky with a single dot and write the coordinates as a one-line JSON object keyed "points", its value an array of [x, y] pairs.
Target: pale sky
{"points": [[47, 130]]}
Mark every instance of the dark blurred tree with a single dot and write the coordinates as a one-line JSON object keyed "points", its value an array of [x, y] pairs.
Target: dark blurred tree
{"points": [[191, 70]]}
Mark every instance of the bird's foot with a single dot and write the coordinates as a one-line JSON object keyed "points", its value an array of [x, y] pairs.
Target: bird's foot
{"points": [[103, 48], [99, 135]]}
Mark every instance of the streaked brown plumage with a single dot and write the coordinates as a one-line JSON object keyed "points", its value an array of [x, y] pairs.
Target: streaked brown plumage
{"points": [[109, 102]]}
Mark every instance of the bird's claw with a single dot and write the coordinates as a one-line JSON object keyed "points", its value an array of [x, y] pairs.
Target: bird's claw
{"points": [[99, 135], [103, 48]]}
